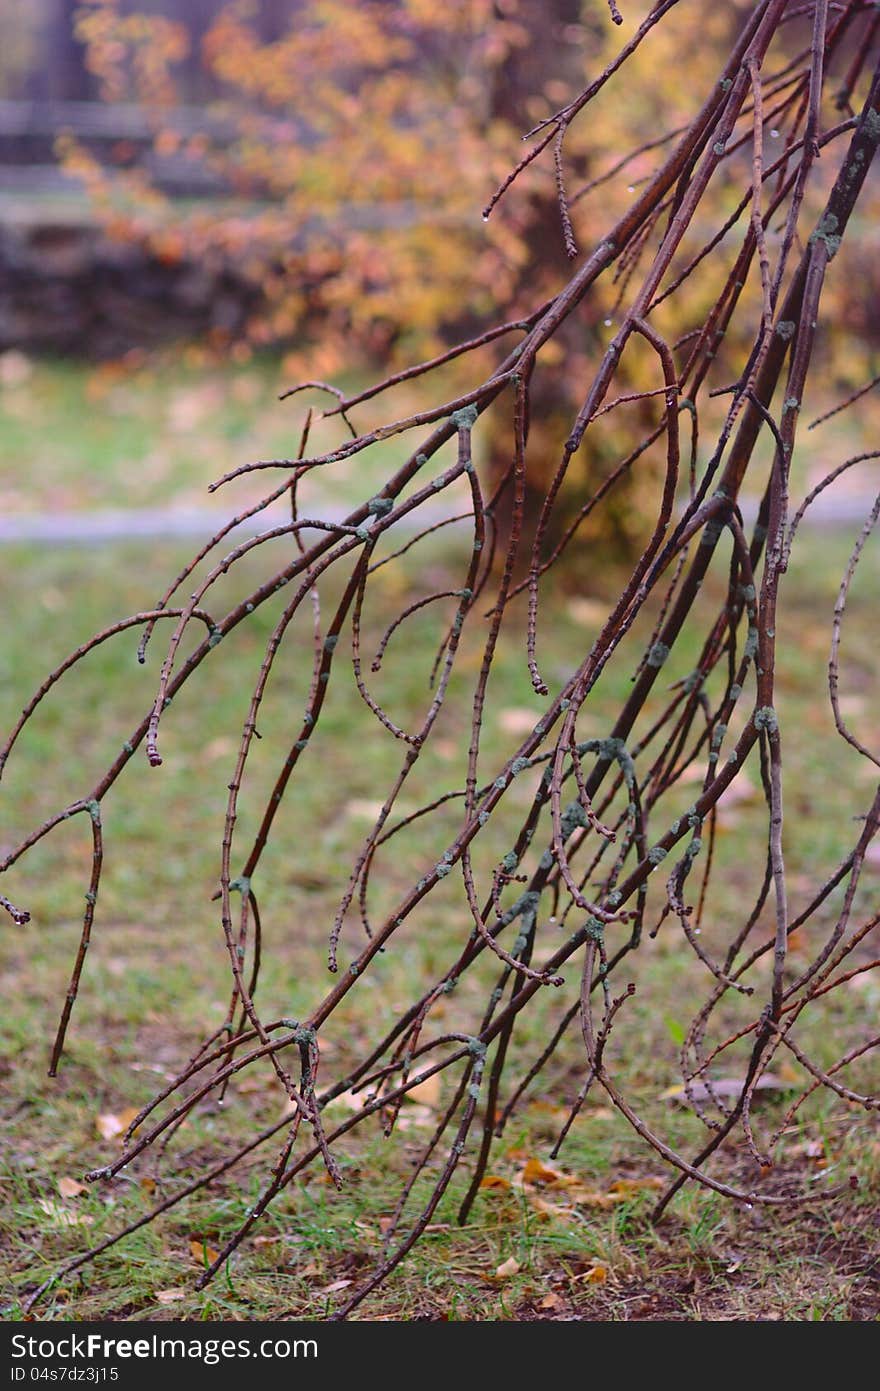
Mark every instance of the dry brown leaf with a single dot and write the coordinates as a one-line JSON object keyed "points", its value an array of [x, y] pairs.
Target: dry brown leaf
{"points": [[109, 1124], [543, 1208], [742, 792], [590, 612], [414, 1117], [71, 1187], [507, 1268], [254, 1082], [742, 789], [427, 1093], [692, 773], [170, 1296], [551, 1301], [534, 1171], [352, 1101], [221, 747], [591, 1197], [202, 1252], [337, 1285], [495, 1181], [61, 1216], [598, 1275], [363, 809], [148, 1184], [518, 719], [728, 1087], [635, 1185]]}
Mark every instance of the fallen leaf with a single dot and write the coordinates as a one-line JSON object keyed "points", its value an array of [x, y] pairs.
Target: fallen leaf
{"points": [[543, 1208], [517, 719], [591, 1197], [109, 1125], [61, 1216], [170, 1296], [71, 1187], [742, 789], [427, 1092], [15, 368], [352, 1101], [635, 1185], [507, 1268], [415, 1117], [148, 1184], [726, 1087], [202, 1252], [590, 612], [551, 1301], [363, 809], [598, 1275], [852, 705], [495, 1181], [534, 1171], [692, 773], [222, 747], [337, 1285], [739, 793]]}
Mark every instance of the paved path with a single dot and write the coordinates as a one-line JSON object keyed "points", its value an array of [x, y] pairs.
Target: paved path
{"points": [[93, 528]]}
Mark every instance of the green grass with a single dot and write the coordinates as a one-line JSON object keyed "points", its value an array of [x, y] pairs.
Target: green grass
{"points": [[156, 431], [156, 977], [127, 434]]}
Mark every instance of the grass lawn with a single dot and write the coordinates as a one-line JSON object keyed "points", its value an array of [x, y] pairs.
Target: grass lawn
{"points": [[133, 435], [155, 985]]}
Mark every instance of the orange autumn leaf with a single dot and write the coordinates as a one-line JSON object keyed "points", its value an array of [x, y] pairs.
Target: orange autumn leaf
{"points": [[625, 1186], [202, 1252], [71, 1187], [427, 1093], [110, 1123], [534, 1171]]}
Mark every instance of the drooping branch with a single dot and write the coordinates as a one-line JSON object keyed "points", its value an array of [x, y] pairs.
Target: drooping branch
{"points": [[602, 814]]}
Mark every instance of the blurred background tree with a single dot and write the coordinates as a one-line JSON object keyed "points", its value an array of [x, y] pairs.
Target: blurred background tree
{"points": [[324, 167]]}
